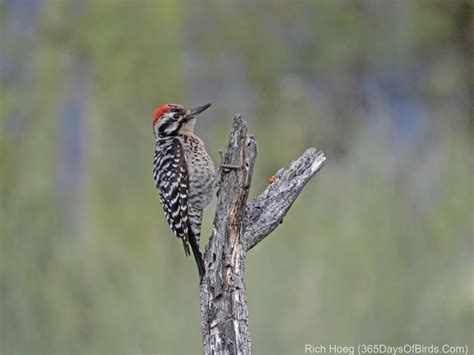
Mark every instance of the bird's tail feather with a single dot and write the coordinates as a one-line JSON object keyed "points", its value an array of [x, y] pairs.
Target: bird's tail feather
{"points": [[186, 247], [197, 256]]}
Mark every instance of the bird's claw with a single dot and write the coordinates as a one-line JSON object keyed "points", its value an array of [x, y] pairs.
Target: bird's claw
{"points": [[228, 167]]}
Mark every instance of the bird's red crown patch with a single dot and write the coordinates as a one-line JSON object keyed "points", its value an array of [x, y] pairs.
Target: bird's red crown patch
{"points": [[160, 111]]}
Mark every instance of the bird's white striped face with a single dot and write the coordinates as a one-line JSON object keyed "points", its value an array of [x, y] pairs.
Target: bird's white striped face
{"points": [[168, 120], [171, 120], [169, 123]]}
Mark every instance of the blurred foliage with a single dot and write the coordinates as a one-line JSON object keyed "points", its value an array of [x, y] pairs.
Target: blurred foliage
{"points": [[378, 248]]}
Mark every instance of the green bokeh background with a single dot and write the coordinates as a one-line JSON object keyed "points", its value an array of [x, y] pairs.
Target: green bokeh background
{"points": [[377, 249]]}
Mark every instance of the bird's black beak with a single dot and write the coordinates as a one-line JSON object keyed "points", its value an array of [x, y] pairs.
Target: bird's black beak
{"points": [[196, 111]]}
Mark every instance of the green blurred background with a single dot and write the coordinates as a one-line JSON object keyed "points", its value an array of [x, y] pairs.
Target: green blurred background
{"points": [[377, 249]]}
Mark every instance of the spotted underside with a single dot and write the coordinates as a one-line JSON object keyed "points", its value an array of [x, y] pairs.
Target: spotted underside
{"points": [[171, 180]]}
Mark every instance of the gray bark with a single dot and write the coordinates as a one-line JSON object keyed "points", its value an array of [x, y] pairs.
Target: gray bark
{"points": [[238, 227]]}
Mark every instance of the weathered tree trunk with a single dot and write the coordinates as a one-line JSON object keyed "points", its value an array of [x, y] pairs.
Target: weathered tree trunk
{"points": [[238, 227]]}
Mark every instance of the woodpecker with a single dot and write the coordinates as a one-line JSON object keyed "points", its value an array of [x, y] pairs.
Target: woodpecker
{"points": [[184, 174]]}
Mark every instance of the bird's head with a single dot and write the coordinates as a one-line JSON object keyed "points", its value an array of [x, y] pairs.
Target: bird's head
{"points": [[171, 119]]}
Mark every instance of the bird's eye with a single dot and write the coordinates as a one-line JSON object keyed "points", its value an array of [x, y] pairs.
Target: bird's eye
{"points": [[176, 115]]}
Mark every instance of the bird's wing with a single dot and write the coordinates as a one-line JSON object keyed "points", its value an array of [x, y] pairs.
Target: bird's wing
{"points": [[171, 180]]}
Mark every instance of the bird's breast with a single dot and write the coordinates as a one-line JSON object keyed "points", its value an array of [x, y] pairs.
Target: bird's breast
{"points": [[201, 171]]}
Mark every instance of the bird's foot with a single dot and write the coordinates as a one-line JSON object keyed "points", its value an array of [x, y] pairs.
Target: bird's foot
{"points": [[228, 167]]}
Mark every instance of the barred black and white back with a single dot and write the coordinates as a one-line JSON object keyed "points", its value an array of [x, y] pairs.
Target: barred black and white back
{"points": [[171, 180]]}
